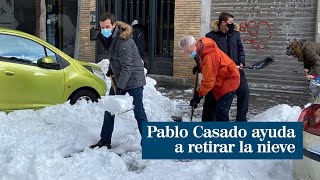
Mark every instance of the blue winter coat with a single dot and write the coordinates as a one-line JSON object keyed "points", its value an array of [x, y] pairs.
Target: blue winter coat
{"points": [[230, 43]]}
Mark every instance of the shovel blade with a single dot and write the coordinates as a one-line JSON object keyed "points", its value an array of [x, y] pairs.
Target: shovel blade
{"points": [[176, 118], [263, 63]]}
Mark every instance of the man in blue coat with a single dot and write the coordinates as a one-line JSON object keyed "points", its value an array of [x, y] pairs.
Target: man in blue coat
{"points": [[227, 36]]}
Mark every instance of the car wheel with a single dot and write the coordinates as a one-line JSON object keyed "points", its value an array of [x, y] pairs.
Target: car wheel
{"points": [[83, 94]]}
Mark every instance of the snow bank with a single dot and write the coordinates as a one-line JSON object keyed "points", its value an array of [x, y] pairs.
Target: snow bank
{"points": [[34, 144], [279, 113]]}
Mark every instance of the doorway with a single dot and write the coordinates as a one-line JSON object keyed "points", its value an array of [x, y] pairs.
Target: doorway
{"points": [[157, 16], [61, 24]]}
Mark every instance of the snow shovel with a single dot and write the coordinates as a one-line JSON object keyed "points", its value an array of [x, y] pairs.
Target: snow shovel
{"points": [[176, 118], [122, 112], [261, 64], [179, 118], [113, 84], [197, 61], [194, 92]]}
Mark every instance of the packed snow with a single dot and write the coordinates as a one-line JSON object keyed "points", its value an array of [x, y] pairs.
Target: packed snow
{"points": [[45, 144]]}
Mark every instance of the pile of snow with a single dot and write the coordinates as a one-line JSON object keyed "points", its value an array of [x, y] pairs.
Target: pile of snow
{"points": [[158, 107], [34, 144], [279, 113]]}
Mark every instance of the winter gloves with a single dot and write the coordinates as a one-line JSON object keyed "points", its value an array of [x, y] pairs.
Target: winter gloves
{"points": [[109, 73], [196, 69], [119, 91], [195, 100]]}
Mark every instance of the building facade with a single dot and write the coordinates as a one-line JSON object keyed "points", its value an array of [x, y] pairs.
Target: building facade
{"points": [[266, 29], [63, 23]]}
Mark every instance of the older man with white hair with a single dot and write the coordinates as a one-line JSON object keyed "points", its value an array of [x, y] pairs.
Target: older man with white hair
{"points": [[220, 75]]}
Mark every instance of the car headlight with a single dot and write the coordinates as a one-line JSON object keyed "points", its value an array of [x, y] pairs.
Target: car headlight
{"points": [[97, 72]]}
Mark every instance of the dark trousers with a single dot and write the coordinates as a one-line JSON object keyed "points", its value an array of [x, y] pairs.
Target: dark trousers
{"points": [[242, 98], [139, 113], [217, 110], [209, 108]]}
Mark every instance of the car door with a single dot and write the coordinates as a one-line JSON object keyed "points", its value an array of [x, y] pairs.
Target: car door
{"points": [[23, 84]]}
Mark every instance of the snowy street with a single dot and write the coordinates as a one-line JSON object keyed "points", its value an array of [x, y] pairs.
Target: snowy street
{"points": [[35, 144], [199, 90], [260, 101]]}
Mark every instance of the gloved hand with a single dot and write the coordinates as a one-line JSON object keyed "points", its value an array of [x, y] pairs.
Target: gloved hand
{"points": [[196, 69], [195, 100], [109, 73], [241, 66], [119, 91]]}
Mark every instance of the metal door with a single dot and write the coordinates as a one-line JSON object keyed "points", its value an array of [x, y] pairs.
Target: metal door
{"points": [[157, 16]]}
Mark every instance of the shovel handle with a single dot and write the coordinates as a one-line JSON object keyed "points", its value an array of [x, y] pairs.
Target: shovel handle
{"points": [[113, 84], [194, 91], [245, 67]]}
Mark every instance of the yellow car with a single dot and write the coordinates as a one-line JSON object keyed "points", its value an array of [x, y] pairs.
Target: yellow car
{"points": [[35, 74]]}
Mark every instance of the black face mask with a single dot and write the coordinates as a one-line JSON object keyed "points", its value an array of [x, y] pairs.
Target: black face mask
{"points": [[230, 27]]}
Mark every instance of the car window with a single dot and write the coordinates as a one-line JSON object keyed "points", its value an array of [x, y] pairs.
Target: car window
{"points": [[20, 50], [52, 54]]}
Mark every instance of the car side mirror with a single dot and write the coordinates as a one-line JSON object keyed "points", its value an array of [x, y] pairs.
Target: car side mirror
{"points": [[48, 63]]}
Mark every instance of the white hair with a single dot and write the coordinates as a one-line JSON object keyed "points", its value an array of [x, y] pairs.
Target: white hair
{"points": [[187, 41], [134, 22]]}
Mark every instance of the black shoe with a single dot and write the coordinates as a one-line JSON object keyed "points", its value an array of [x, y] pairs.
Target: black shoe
{"points": [[101, 144]]}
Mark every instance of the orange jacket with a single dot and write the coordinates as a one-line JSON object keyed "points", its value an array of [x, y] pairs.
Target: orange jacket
{"points": [[219, 73]]}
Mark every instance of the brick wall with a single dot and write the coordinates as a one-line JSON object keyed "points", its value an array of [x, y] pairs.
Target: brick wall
{"points": [[86, 47], [186, 22]]}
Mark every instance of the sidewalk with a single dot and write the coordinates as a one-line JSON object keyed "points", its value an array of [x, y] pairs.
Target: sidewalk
{"points": [[259, 101]]}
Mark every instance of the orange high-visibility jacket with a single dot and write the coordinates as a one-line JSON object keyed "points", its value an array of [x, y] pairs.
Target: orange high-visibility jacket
{"points": [[219, 73]]}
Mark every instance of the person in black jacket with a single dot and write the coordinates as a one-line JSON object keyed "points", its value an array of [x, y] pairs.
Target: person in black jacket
{"points": [[126, 67], [227, 36], [138, 36]]}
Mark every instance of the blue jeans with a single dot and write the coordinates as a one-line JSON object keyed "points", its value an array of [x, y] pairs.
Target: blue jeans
{"points": [[139, 113]]}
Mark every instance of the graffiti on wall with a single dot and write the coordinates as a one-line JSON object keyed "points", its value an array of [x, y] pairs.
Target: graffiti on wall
{"points": [[256, 33]]}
